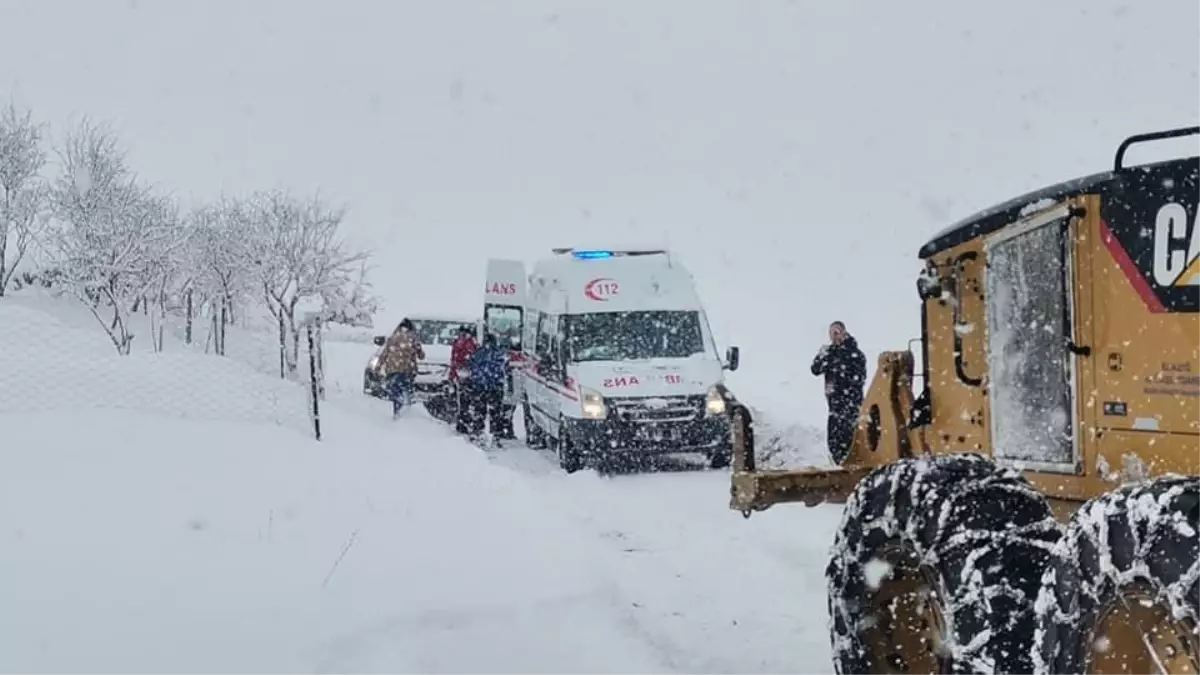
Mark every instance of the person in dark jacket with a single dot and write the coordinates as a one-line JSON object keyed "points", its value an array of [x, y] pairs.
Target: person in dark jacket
{"points": [[488, 373], [845, 369]]}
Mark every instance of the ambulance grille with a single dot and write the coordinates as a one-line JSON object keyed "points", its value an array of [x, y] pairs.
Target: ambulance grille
{"points": [[653, 409]]}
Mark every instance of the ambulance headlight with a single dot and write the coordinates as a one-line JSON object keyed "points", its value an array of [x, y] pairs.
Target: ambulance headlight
{"points": [[714, 403], [593, 405]]}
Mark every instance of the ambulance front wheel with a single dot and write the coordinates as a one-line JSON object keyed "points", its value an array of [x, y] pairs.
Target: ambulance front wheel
{"points": [[570, 456], [535, 436], [721, 456]]}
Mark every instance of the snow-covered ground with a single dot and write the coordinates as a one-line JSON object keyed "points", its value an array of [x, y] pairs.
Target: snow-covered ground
{"points": [[171, 512]]}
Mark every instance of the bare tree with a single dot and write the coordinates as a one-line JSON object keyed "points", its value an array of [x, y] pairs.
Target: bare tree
{"points": [[353, 302], [222, 250], [296, 252], [167, 261], [23, 191], [112, 238], [186, 277]]}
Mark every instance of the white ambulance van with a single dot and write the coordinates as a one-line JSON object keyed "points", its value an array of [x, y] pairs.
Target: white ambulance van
{"points": [[618, 359]]}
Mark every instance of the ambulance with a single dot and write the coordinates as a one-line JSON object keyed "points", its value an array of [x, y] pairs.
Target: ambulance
{"points": [[616, 356]]}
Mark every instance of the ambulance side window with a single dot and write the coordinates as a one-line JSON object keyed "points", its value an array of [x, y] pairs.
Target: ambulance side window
{"points": [[560, 344], [529, 329], [553, 371], [549, 347], [542, 346]]}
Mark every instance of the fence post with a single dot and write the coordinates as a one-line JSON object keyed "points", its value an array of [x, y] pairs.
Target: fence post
{"points": [[321, 358], [312, 309], [314, 377]]}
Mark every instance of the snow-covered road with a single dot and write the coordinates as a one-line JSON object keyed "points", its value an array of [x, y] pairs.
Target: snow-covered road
{"points": [[710, 590], [170, 512]]}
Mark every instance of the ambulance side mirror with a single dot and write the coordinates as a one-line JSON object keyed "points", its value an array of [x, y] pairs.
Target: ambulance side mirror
{"points": [[732, 356], [379, 340]]}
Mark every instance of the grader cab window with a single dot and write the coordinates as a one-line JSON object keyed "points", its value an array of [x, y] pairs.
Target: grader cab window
{"points": [[1029, 328]]}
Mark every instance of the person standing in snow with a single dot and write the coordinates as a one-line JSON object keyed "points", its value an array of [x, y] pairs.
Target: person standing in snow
{"points": [[398, 365], [489, 371], [845, 369], [461, 351]]}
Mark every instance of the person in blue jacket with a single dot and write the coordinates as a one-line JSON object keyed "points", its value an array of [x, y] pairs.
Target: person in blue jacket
{"points": [[488, 368]]}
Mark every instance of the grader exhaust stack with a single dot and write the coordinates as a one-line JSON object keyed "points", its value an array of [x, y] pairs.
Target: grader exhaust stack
{"points": [[1037, 507]]}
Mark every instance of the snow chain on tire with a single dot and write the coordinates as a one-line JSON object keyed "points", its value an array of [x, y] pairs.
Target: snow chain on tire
{"points": [[935, 568], [1132, 556]]}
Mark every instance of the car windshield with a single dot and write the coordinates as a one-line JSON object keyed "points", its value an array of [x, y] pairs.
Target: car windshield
{"points": [[431, 332], [627, 336]]}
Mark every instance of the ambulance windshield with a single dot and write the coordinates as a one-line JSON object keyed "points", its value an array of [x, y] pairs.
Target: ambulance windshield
{"points": [[628, 336]]}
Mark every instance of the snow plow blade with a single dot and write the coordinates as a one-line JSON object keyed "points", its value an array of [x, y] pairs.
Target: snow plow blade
{"points": [[882, 436], [755, 491]]}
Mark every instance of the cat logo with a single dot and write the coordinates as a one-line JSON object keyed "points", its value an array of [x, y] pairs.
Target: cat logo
{"points": [[1176, 249]]}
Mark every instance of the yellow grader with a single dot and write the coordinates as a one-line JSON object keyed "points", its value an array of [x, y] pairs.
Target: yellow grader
{"points": [[1033, 505]]}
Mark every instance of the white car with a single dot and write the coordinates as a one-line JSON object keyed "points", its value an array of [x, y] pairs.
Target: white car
{"points": [[436, 333]]}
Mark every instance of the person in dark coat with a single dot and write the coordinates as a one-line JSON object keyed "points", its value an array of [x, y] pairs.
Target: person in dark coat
{"points": [[488, 373], [845, 369]]}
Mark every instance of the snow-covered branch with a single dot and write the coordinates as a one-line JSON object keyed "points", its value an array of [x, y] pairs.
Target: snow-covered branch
{"points": [[223, 238], [23, 191], [113, 240], [353, 303], [119, 247], [296, 251]]}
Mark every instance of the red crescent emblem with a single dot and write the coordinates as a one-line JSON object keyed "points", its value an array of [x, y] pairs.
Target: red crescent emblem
{"points": [[601, 289]]}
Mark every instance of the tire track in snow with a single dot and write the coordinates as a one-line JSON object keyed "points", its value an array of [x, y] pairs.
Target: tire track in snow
{"points": [[697, 578], [543, 468], [703, 589], [562, 634]]}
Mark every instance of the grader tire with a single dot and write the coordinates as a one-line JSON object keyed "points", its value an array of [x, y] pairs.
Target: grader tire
{"points": [[935, 568], [1123, 594]]}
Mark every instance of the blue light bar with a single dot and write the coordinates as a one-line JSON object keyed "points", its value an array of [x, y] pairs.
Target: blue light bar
{"points": [[592, 255]]}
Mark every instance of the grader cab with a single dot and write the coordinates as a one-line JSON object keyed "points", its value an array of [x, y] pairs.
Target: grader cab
{"points": [[1033, 506]]}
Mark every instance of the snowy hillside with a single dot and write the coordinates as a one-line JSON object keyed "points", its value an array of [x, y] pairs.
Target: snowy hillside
{"points": [[170, 512]]}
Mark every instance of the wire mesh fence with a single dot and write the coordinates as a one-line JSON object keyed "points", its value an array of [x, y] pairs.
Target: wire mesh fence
{"points": [[56, 357]]}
